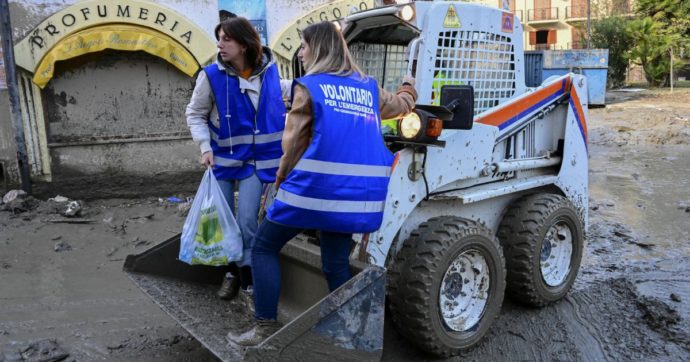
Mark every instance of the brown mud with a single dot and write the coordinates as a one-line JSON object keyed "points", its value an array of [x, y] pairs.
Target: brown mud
{"points": [[63, 292]]}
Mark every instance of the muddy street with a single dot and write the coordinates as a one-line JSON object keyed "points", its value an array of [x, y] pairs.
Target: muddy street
{"points": [[63, 292]]}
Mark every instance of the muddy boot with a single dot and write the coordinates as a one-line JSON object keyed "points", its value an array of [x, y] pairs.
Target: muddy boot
{"points": [[247, 298], [229, 288], [262, 330]]}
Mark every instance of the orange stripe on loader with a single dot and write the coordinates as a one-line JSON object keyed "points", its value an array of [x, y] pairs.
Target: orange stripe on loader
{"points": [[511, 110]]}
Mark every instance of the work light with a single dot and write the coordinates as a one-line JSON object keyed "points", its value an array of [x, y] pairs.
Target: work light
{"points": [[420, 126], [410, 125], [407, 12]]}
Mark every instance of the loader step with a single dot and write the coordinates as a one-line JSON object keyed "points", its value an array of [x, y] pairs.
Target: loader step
{"points": [[495, 189], [344, 325]]}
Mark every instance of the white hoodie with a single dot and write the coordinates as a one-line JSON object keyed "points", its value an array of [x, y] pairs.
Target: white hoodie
{"points": [[202, 107]]}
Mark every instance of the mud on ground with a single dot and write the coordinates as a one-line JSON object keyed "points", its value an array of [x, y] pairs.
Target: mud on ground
{"points": [[63, 294], [646, 117]]}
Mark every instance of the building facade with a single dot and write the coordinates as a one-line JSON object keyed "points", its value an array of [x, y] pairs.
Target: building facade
{"points": [[104, 83], [559, 24]]}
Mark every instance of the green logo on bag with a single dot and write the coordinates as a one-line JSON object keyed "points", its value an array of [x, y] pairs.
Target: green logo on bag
{"points": [[215, 261], [209, 231]]}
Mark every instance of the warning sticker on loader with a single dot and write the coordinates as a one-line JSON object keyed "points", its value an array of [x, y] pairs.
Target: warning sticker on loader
{"points": [[507, 23], [451, 20]]}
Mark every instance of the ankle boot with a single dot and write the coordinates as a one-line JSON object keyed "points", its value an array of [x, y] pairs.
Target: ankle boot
{"points": [[247, 298], [230, 287], [263, 329]]}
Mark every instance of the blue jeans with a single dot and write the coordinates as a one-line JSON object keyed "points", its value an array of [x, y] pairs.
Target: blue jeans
{"points": [[271, 237], [250, 190]]}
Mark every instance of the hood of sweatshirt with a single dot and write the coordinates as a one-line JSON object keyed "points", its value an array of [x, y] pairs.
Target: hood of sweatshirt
{"points": [[266, 61]]}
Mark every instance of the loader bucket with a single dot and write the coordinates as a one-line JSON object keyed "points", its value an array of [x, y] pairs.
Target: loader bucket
{"points": [[344, 325]]}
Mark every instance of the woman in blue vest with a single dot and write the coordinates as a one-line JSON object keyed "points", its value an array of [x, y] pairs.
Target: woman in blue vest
{"points": [[334, 172], [237, 116]]}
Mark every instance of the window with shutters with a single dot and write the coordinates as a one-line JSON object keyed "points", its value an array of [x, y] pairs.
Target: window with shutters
{"points": [[543, 39], [542, 11], [578, 38], [577, 9]]}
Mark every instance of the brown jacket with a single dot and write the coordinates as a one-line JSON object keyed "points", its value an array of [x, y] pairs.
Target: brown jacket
{"points": [[298, 126]]}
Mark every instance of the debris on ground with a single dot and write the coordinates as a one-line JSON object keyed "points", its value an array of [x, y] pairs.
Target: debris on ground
{"points": [[143, 218], [71, 221], [19, 205], [13, 195], [659, 315], [46, 350], [73, 209], [62, 246], [643, 245], [59, 198], [137, 242], [183, 208]]}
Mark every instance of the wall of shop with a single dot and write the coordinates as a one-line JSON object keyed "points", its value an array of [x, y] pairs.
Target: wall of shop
{"points": [[115, 113]]}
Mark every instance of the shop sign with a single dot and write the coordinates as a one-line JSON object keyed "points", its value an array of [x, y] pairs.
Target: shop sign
{"points": [[91, 13], [288, 41]]}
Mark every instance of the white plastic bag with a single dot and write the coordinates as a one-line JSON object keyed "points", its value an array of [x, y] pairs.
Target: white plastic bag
{"points": [[210, 235]]}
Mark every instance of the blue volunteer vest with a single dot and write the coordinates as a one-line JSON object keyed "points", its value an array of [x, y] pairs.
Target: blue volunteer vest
{"points": [[341, 182], [246, 139]]}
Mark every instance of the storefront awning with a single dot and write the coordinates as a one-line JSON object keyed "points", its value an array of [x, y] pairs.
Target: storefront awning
{"points": [[118, 37]]}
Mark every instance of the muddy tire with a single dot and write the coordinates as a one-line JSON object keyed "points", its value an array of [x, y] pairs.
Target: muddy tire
{"points": [[542, 239], [446, 285]]}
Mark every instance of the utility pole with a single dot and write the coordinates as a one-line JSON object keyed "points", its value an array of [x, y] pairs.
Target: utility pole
{"points": [[671, 69], [588, 21], [12, 87]]}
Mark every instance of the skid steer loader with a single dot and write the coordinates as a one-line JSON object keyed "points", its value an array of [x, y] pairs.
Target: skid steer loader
{"points": [[496, 204]]}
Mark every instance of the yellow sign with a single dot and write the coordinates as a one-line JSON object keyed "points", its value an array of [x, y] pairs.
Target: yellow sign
{"points": [[451, 20], [118, 37], [93, 14]]}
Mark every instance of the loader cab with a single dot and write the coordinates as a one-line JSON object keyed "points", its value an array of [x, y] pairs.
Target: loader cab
{"points": [[385, 43], [379, 41], [441, 44]]}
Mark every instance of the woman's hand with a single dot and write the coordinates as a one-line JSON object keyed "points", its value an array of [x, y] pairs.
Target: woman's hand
{"points": [[408, 79], [207, 158], [279, 180]]}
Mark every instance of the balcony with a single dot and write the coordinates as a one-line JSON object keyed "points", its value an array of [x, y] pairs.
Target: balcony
{"points": [[542, 16], [575, 13], [543, 46]]}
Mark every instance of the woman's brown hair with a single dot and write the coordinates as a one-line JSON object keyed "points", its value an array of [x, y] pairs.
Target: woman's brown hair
{"points": [[329, 51], [242, 31]]}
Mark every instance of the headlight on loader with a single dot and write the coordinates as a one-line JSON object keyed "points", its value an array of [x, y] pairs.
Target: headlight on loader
{"points": [[410, 125], [423, 126], [407, 13]]}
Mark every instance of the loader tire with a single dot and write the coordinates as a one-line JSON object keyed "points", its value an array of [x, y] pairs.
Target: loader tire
{"points": [[542, 239], [440, 262]]}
